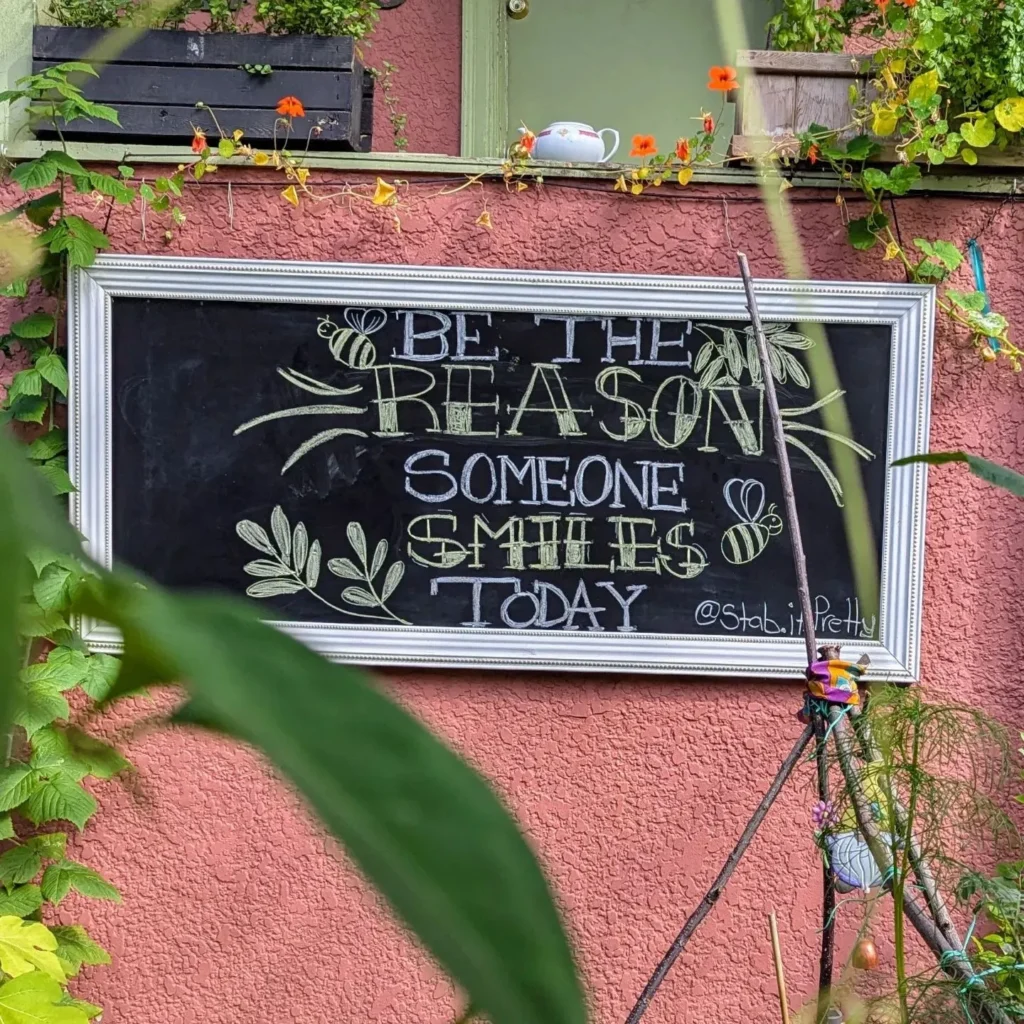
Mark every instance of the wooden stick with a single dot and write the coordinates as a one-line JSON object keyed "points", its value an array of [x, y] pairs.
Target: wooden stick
{"points": [[780, 977], [788, 495], [712, 895], [828, 882]]}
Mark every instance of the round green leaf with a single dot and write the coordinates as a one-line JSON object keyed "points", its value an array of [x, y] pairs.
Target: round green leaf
{"points": [[1010, 113], [979, 133], [968, 156]]}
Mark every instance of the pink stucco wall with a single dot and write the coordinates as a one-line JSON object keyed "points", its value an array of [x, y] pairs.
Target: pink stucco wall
{"points": [[632, 789]]}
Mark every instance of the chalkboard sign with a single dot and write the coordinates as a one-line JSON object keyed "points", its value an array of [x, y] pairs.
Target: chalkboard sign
{"points": [[409, 465]]}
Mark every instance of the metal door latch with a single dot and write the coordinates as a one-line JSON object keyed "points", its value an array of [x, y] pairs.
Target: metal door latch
{"points": [[518, 9]]}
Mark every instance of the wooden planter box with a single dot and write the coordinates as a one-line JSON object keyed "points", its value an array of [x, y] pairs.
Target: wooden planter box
{"points": [[156, 82], [796, 90]]}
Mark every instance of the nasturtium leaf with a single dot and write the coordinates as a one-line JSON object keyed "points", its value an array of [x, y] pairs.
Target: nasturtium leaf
{"points": [[60, 878], [860, 234], [20, 901], [1010, 113], [60, 798], [28, 946], [924, 87], [36, 325], [36, 998], [422, 825], [932, 39], [20, 864], [75, 948], [991, 472]]}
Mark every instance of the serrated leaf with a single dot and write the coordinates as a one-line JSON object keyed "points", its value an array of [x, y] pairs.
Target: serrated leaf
{"points": [[967, 300], [63, 668], [356, 537], [28, 946], [64, 162], [16, 782], [33, 174], [60, 878], [273, 588], [862, 147], [51, 845], [358, 596], [267, 569], [313, 565], [101, 674], [300, 547], [282, 532], [255, 536], [902, 177], [76, 948], [35, 998], [392, 579], [21, 901], [60, 798], [6, 827], [379, 555], [53, 590], [28, 408], [54, 442], [55, 473], [25, 382], [39, 704], [95, 757], [52, 368], [37, 325], [345, 568], [20, 864], [89, 1009]]}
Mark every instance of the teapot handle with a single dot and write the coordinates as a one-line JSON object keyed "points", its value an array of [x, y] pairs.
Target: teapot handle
{"points": [[615, 144]]}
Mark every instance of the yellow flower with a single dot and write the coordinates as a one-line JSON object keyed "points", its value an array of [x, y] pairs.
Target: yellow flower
{"points": [[521, 186], [892, 250], [260, 159], [643, 173], [290, 195], [484, 220], [302, 173], [620, 183], [684, 175], [636, 188], [237, 134], [384, 193]]}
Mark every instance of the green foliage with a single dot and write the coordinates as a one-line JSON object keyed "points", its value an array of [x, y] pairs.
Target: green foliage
{"points": [[991, 472], [318, 17]]}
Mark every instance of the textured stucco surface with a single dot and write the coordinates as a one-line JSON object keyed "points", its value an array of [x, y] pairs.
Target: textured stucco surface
{"points": [[633, 790]]}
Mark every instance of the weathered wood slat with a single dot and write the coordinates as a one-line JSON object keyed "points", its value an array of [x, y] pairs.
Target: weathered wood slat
{"points": [[124, 84], [366, 117], [173, 124], [843, 65], [214, 49], [822, 100]]}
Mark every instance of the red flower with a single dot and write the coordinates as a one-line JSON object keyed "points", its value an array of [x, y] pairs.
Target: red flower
{"points": [[643, 145], [709, 124], [198, 140], [722, 79], [813, 153], [528, 140], [683, 150], [290, 106]]}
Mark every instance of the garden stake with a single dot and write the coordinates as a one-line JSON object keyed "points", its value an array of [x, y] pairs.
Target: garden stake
{"points": [[712, 895], [780, 976]]}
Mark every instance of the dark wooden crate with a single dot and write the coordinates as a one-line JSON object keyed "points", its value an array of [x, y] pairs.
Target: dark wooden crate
{"points": [[156, 82]]}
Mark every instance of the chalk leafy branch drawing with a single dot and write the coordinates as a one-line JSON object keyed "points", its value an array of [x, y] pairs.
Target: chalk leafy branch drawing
{"points": [[722, 360], [295, 564]]}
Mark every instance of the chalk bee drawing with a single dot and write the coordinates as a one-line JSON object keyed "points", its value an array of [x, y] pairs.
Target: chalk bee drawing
{"points": [[350, 346], [748, 538], [294, 564]]}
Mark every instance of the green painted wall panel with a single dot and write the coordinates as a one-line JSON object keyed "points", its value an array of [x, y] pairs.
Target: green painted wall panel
{"points": [[639, 66]]}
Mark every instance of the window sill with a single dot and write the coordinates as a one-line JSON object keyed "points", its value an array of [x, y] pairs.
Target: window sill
{"points": [[439, 163]]}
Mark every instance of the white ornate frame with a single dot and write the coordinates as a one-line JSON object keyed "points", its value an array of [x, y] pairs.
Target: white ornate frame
{"points": [[908, 309]]}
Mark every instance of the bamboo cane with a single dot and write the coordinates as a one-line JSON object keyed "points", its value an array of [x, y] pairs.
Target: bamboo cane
{"points": [[780, 976]]}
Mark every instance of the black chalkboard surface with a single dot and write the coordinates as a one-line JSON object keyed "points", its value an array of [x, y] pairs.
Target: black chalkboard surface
{"points": [[366, 466]]}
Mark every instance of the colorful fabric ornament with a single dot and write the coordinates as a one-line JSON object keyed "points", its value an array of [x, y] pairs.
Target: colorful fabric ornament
{"points": [[834, 681], [850, 858]]}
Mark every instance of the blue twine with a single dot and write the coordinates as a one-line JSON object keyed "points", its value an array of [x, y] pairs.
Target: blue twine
{"points": [[978, 267]]}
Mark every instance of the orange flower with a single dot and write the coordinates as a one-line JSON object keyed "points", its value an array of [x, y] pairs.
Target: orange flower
{"points": [[290, 106], [643, 145], [722, 79], [882, 5], [813, 153], [528, 140], [709, 124], [683, 150], [198, 140]]}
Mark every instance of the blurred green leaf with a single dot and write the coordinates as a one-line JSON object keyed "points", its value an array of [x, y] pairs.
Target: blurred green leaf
{"points": [[991, 472], [424, 827]]}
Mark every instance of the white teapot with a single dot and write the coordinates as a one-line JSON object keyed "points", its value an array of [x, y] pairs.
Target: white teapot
{"points": [[572, 142]]}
